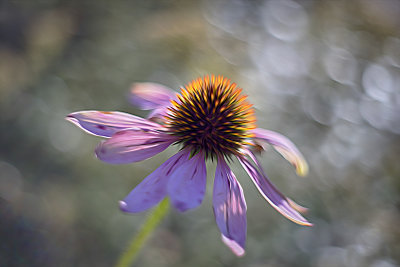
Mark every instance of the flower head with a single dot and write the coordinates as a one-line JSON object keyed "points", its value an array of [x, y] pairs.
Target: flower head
{"points": [[210, 118]]}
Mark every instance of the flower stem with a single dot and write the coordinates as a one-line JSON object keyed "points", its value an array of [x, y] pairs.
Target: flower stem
{"points": [[127, 258]]}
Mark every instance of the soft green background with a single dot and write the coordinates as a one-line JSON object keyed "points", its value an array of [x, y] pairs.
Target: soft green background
{"points": [[324, 73]]}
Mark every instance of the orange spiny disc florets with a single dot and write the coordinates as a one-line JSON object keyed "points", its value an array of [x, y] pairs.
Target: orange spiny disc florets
{"points": [[212, 116]]}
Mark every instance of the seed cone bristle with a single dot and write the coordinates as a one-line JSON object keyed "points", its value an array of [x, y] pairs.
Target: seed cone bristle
{"points": [[212, 116]]}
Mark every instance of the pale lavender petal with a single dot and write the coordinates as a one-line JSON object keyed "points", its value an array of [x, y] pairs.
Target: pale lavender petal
{"points": [[158, 114], [151, 95], [229, 208], [106, 123], [188, 183], [154, 187], [132, 145], [285, 147], [275, 198]]}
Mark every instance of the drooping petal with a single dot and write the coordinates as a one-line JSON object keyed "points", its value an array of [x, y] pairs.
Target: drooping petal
{"points": [[106, 123], [229, 208], [150, 95], [285, 147], [154, 187], [187, 185], [275, 198], [132, 145]]}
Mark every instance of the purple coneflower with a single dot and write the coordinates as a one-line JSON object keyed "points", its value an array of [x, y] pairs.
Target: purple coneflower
{"points": [[209, 119]]}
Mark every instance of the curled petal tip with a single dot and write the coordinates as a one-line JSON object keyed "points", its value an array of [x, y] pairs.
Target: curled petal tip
{"points": [[123, 206], [297, 207], [302, 168], [285, 147], [234, 246], [71, 118], [282, 204], [307, 224]]}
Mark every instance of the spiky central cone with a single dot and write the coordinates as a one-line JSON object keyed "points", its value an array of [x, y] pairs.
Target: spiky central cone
{"points": [[211, 116]]}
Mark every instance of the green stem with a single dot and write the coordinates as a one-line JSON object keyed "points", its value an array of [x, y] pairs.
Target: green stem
{"points": [[127, 258]]}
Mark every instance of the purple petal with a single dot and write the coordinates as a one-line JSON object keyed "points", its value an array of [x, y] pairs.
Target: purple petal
{"points": [[154, 187], [285, 147], [275, 198], [188, 184], [158, 114], [151, 95], [234, 246], [104, 123], [229, 208], [132, 145]]}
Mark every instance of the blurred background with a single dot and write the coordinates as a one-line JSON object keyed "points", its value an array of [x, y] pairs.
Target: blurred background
{"points": [[324, 73]]}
